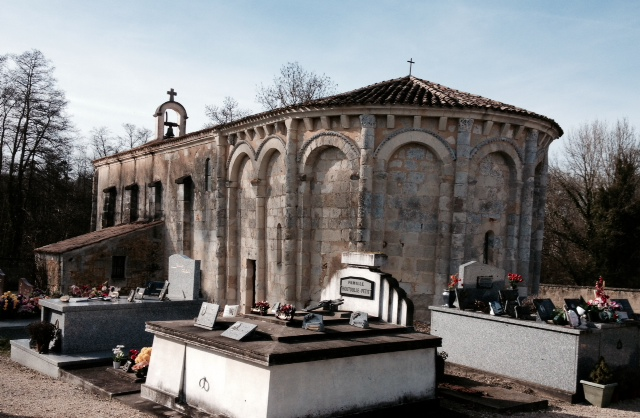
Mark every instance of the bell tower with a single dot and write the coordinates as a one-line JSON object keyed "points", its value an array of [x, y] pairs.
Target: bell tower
{"points": [[162, 118]]}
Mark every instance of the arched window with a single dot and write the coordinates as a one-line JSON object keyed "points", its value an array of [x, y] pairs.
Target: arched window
{"points": [[488, 248], [207, 175], [279, 244]]}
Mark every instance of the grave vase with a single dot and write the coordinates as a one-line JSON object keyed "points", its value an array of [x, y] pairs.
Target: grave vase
{"points": [[449, 297], [117, 364]]}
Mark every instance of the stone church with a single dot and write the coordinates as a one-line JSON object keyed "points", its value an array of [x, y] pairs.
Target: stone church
{"points": [[430, 176]]}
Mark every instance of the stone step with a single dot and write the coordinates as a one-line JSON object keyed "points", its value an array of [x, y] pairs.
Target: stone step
{"points": [[101, 381]]}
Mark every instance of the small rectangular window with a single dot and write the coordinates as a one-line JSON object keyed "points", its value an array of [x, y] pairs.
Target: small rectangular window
{"points": [[117, 266]]}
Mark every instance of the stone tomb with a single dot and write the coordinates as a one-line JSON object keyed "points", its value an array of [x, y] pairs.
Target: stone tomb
{"points": [[286, 371], [90, 329], [485, 280], [184, 278]]}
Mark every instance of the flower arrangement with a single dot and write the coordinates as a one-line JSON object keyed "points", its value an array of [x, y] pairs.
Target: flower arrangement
{"points": [[453, 281], [261, 307], [286, 312], [602, 304], [86, 291], [133, 354], [118, 354], [142, 362], [9, 304], [514, 279]]}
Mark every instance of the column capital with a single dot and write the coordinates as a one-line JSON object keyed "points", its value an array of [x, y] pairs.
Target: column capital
{"points": [[368, 121], [465, 125]]}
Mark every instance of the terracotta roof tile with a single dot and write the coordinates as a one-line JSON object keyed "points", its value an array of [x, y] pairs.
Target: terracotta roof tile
{"points": [[95, 237]]}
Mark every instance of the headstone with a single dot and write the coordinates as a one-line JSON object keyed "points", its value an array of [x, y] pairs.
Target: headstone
{"points": [[239, 330], [545, 308], [230, 311], [359, 319], [184, 278], [24, 287], [473, 272], [313, 322], [207, 317]]}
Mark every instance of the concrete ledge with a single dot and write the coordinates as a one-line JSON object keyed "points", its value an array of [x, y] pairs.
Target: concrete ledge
{"points": [[50, 364]]}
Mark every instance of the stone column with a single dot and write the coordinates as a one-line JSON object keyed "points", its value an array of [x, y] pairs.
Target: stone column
{"points": [[365, 182], [260, 239], [460, 191], [535, 264], [526, 202], [304, 237], [221, 220], [290, 211]]}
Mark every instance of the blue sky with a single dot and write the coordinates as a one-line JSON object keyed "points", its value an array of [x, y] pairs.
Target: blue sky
{"points": [[573, 61]]}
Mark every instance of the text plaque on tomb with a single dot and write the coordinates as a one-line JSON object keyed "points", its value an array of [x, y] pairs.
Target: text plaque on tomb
{"points": [[356, 287], [239, 330], [207, 317]]}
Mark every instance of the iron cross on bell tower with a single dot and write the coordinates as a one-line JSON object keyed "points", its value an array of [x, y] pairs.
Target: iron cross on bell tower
{"points": [[171, 125]]}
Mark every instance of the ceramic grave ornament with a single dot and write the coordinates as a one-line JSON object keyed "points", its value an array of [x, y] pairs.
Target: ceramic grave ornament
{"points": [[230, 311], [359, 319], [313, 322], [239, 330]]}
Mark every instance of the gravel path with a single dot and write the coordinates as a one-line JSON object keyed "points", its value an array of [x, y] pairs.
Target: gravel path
{"points": [[27, 393]]}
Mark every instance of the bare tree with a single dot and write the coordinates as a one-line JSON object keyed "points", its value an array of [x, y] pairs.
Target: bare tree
{"points": [[133, 136], [228, 112], [294, 85], [593, 206]]}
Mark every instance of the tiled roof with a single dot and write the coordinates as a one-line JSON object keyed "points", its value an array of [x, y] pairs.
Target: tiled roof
{"points": [[408, 91], [95, 237]]}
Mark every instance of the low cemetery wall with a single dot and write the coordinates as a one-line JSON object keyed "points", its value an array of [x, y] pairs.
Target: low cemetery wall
{"points": [[557, 293], [550, 356]]}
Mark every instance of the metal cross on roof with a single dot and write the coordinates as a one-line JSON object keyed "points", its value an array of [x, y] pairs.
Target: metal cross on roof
{"points": [[411, 62], [171, 94]]}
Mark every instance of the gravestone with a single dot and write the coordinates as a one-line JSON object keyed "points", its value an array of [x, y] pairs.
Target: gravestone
{"points": [[239, 330], [207, 317], [184, 278], [24, 287], [473, 273], [359, 319]]}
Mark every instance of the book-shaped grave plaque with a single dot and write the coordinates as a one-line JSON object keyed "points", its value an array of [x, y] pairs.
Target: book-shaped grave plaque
{"points": [[139, 295], [239, 330], [207, 317], [359, 319], [154, 288], [545, 308], [496, 308], [626, 306], [466, 298], [164, 290], [484, 282], [572, 304], [313, 322], [230, 311]]}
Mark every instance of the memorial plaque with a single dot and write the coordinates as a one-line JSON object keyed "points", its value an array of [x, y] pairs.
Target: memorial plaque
{"points": [[572, 303], [359, 319], [276, 306], [163, 291], [207, 317], [132, 295], [466, 298], [622, 315], [239, 330], [484, 282], [572, 317], [154, 288], [545, 308], [313, 322], [496, 308], [140, 293], [356, 287], [230, 311], [626, 306]]}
